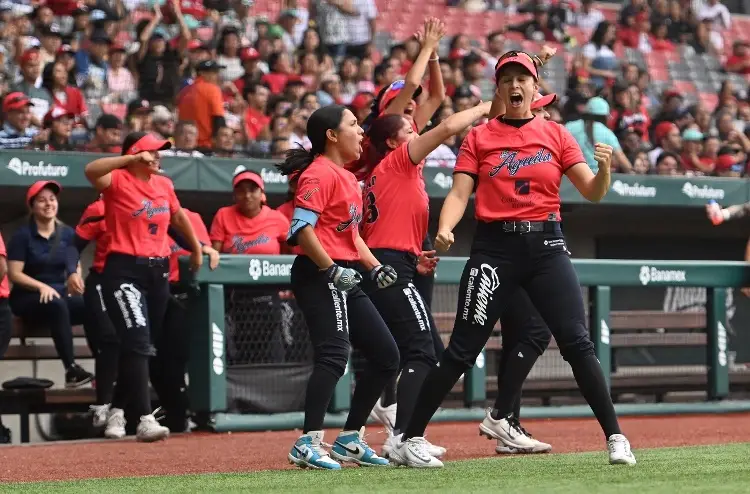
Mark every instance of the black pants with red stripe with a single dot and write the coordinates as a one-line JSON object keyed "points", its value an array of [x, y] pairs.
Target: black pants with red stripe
{"points": [[499, 264], [337, 320]]}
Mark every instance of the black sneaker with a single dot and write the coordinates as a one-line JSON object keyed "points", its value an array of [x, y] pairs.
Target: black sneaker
{"points": [[5, 435], [75, 376]]}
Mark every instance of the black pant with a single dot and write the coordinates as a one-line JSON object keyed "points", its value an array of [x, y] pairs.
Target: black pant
{"points": [[102, 337], [499, 264], [59, 314], [6, 326], [335, 319], [136, 293], [425, 286], [168, 368]]}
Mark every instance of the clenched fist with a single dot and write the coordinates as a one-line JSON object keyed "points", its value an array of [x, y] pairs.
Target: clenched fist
{"points": [[444, 240], [603, 155]]}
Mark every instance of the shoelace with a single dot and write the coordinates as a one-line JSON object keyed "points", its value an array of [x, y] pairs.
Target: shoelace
{"points": [[516, 424], [419, 444], [612, 445]]}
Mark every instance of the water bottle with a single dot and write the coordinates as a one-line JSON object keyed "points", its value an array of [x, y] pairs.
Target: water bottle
{"points": [[714, 212]]}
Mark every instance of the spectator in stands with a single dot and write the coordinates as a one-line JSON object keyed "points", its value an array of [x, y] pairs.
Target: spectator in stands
{"points": [[298, 127], [667, 164], [31, 70], [599, 58], [17, 132], [542, 27], [639, 35], [626, 112], [6, 323], [119, 79], [310, 102], [700, 41], [92, 66], [107, 135], [158, 63], [727, 165], [659, 40], [288, 20], [279, 147], [588, 17], [202, 102], [739, 61], [51, 40], [692, 147], [251, 65], [346, 26], [228, 54], [185, 141], [641, 165], [630, 11], [223, 143], [592, 129], [162, 121], [280, 70], [667, 138], [39, 267], [63, 95], [717, 14], [66, 55], [59, 121], [360, 106], [631, 142], [138, 117]]}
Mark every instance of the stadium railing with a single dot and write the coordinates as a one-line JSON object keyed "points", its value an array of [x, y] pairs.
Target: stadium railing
{"points": [[208, 318]]}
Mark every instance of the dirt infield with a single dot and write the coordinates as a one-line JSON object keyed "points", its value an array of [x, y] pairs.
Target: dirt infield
{"points": [[241, 452]]}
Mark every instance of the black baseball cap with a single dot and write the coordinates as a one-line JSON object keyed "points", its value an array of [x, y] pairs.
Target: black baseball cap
{"points": [[51, 30], [209, 66], [100, 37], [139, 105]]}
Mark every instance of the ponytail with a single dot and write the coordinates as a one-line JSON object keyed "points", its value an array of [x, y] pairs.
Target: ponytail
{"points": [[296, 161]]}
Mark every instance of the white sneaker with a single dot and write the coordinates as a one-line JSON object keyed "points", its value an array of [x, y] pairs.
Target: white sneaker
{"points": [[308, 452], [539, 446], [619, 450], [100, 414], [413, 453], [384, 415], [115, 424], [508, 431], [392, 441], [149, 430]]}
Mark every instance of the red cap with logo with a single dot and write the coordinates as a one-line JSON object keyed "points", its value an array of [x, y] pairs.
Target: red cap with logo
{"points": [[543, 101], [390, 92], [149, 142], [249, 53], [520, 58], [16, 101]]}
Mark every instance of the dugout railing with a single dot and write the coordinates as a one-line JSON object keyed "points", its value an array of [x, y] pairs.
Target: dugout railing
{"points": [[215, 293]]}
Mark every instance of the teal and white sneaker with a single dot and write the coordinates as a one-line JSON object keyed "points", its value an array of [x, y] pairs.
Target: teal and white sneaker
{"points": [[308, 452], [351, 446]]}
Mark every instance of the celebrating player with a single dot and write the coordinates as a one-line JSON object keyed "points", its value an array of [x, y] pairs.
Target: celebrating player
{"points": [[139, 206], [325, 223], [395, 224], [517, 163]]}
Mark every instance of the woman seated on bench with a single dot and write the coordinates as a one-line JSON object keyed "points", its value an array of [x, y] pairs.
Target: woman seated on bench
{"points": [[39, 267]]}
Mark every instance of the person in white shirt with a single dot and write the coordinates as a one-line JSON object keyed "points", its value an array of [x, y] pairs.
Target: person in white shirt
{"points": [[719, 15], [346, 26], [589, 17], [298, 124]]}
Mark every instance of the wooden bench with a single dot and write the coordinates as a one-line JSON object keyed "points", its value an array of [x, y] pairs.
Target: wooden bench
{"points": [[27, 402], [629, 329]]}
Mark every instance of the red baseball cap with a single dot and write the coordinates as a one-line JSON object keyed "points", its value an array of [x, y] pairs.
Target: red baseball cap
{"points": [[662, 129], [55, 113], [390, 92], [29, 55], [248, 175], [520, 58], [149, 142], [37, 187], [16, 101], [249, 53], [361, 100], [543, 101]]}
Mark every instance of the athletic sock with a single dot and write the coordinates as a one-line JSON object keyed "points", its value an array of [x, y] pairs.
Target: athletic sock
{"points": [[436, 386], [518, 364], [593, 386], [409, 385], [389, 396], [320, 389]]}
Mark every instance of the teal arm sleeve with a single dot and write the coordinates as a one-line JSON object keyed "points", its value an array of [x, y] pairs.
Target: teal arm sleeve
{"points": [[300, 219]]}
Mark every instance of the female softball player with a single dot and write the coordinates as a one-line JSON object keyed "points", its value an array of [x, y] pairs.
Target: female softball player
{"points": [[516, 162], [395, 224], [325, 223], [139, 206]]}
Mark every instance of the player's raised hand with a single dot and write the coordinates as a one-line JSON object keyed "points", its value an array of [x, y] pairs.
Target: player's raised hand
{"points": [[434, 30], [603, 155], [546, 53]]}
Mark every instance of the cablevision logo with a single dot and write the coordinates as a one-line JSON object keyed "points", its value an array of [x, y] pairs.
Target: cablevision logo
{"points": [[633, 190], [650, 274], [42, 169], [704, 192], [268, 269]]}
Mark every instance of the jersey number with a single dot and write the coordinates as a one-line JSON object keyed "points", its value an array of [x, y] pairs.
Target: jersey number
{"points": [[372, 209], [153, 228]]}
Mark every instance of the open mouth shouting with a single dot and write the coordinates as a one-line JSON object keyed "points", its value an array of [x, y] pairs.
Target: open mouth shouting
{"points": [[516, 99]]}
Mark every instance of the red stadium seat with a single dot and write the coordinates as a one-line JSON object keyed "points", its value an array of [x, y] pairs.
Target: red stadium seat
{"points": [[709, 100]]}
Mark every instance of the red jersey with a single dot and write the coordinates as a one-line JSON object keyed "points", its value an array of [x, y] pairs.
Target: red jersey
{"points": [[255, 122], [287, 209], [397, 208], [138, 213], [518, 171], [4, 286], [360, 167], [176, 251], [238, 234], [93, 227], [334, 194]]}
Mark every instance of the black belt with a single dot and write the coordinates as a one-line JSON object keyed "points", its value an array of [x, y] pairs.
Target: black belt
{"points": [[151, 262], [523, 226]]}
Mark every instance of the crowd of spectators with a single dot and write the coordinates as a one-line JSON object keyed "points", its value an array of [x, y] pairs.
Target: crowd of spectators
{"points": [[221, 80]]}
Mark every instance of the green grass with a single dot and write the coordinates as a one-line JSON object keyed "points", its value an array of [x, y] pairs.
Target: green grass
{"points": [[710, 469]]}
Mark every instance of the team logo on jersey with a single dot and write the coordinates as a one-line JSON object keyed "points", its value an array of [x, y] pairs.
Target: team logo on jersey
{"points": [[355, 216], [240, 245], [174, 248], [150, 210], [511, 161]]}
